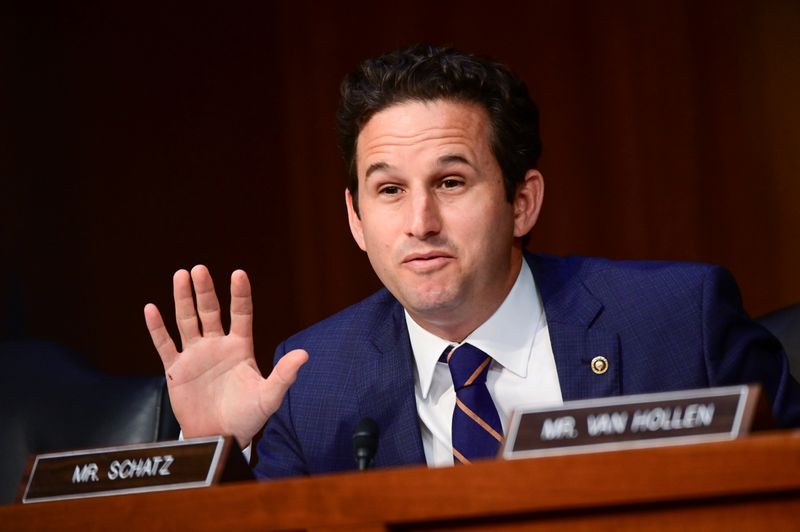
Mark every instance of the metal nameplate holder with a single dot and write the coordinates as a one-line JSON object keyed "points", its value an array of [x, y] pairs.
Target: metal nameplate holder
{"points": [[635, 421], [192, 463]]}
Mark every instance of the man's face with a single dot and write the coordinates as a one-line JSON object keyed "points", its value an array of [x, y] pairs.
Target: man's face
{"points": [[434, 218]]}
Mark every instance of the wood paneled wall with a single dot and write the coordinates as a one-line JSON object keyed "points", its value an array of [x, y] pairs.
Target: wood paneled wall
{"points": [[136, 141]]}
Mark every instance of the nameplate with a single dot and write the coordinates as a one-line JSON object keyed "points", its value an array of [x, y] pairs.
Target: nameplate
{"points": [[193, 463], [648, 420]]}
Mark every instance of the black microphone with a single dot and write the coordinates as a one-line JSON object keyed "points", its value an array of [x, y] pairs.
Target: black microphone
{"points": [[365, 442]]}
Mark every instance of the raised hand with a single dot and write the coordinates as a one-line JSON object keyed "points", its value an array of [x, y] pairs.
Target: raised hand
{"points": [[214, 383]]}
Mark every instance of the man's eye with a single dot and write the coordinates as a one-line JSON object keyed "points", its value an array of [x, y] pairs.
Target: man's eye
{"points": [[390, 190], [451, 183]]}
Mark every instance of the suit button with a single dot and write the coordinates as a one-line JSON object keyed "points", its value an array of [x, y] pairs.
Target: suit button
{"points": [[599, 365]]}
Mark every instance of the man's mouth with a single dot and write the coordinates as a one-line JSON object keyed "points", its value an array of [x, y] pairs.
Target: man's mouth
{"points": [[431, 260]]}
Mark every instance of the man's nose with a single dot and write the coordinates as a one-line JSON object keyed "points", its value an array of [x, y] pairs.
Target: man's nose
{"points": [[423, 216]]}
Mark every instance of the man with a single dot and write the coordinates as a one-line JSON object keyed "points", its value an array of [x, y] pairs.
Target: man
{"points": [[442, 149]]}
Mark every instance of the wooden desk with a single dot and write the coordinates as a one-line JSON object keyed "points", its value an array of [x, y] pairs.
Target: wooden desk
{"points": [[748, 484]]}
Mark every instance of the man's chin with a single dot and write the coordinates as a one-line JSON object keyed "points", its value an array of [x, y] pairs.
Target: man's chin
{"points": [[430, 306]]}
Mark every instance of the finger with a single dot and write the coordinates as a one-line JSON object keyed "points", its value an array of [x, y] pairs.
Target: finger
{"points": [[160, 336], [207, 302], [185, 315], [283, 375], [241, 305]]}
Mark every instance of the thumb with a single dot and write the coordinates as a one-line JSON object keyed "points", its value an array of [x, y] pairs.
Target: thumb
{"points": [[283, 375]]}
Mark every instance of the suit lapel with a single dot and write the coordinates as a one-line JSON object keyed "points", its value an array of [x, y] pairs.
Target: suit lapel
{"points": [[572, 314], [386, 393]]}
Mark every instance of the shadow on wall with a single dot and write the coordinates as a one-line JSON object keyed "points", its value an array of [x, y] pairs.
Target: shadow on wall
{"points": [[12, 321]]}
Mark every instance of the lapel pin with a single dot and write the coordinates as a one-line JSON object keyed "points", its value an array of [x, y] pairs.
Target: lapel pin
{"points": [[599, 365]]}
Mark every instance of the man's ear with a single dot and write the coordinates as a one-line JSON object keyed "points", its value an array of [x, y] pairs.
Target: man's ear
{"points": [[528, 202], [355, 222]]}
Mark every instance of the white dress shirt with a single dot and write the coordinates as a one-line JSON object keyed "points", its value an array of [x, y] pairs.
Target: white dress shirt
{"points": [[523, 371]]}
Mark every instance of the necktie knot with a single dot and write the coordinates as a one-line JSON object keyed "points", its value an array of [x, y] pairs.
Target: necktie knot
{"points": [[468, 365]]}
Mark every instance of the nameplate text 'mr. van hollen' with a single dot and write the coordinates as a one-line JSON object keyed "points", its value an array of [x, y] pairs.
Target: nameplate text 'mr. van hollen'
{"points": [[648, 420]]}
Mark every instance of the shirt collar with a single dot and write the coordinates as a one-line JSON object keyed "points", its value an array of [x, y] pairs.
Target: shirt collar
{"points": [[507, 336]]}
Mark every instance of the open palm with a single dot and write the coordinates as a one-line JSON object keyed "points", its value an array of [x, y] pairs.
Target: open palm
{"points": [[214, 383]]}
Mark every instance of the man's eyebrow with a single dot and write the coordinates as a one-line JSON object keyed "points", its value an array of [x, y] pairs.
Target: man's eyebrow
{"points": [[376, 167], [444, 160]]}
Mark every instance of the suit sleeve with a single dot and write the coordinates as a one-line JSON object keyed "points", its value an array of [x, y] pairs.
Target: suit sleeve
{"points": [[740, 351], [279, 451]]}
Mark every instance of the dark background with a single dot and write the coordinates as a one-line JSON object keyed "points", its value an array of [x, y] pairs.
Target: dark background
{"points": [[138, 140]]}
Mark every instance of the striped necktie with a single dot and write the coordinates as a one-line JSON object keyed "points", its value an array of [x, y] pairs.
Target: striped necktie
{"points": [[477, 432]]}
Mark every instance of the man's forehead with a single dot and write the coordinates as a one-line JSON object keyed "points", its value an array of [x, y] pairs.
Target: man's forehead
{"points": [[464, 124], [432, 108]]}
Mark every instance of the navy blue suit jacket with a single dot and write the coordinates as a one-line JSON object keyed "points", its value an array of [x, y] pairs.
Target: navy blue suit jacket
{"points": [[661, 325]]}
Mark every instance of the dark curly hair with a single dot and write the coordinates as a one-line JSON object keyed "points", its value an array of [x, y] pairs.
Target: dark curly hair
{"points": [[427, 72]]}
